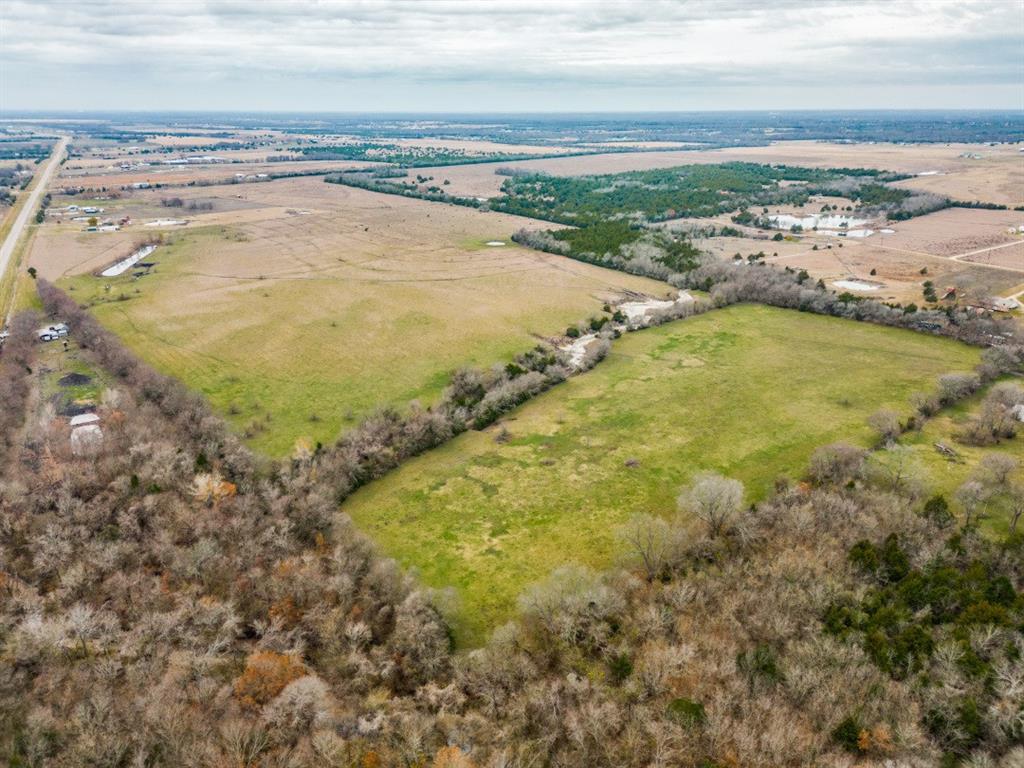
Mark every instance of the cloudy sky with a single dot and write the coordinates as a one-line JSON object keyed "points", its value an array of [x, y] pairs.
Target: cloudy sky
{"points": [[510, 55]]}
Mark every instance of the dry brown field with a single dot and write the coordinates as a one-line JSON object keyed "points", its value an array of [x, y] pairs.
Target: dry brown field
{"points": [[474, 146], [954, 231], [997, 177], [998, 180], [898, 270], [193, 140], [110, 175], [641, 144], [310, 304], [1010, 256]]}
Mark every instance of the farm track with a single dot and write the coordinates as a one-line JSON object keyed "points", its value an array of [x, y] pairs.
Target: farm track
{"points": [[956, 259], [961, 256]]}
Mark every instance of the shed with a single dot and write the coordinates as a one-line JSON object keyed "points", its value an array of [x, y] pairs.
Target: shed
{"points": [[84, 418]]}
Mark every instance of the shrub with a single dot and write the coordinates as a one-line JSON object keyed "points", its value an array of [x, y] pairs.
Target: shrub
{"points": [[620, 666], [848, 735], [301, 705], [936, 509], [836, 464], [712, 499], [266, 674], [686, 711]]}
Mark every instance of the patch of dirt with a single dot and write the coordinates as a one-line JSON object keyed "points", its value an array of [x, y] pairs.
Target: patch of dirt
{"points": [[74, 380]]}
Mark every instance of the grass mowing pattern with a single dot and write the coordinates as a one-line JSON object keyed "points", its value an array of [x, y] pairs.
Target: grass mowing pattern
{"points": [[749, 391]]}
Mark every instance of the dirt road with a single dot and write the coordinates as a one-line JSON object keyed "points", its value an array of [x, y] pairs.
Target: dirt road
{"points": [[27, 211]]}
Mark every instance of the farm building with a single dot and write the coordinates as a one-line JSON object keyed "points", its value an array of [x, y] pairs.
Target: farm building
{"points": [[53, 332]]}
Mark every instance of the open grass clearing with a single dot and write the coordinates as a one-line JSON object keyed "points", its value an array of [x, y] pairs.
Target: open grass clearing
{"points": [[944, 475], [297, 326], [749, 391]]}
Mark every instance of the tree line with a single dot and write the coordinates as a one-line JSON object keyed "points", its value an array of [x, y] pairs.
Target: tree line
{"points": [[169, 600]]}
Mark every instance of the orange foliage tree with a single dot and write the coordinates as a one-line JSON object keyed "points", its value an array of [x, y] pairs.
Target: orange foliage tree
{"points": [[266, 675]]}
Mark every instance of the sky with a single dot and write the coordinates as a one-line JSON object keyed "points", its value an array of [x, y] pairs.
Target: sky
{"points": [[510, 55]]}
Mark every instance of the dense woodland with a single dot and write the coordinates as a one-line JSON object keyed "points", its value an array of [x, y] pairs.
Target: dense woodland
{"points": [[619, 245], [169, 600], [686, 191]]}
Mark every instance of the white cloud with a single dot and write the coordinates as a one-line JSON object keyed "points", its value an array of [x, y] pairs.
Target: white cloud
{"points": [[420, 54]]}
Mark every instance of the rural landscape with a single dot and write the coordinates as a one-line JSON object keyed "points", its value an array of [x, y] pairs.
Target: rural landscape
{"points": [[484, 438]]}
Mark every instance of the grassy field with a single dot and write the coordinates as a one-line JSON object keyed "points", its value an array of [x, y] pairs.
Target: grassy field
{"points": [[749, 391], [944, 476], [302, 312]]}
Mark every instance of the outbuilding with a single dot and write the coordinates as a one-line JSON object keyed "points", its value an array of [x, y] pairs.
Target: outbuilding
{"points": [[84, 418], [86, 434], [53, 332]]}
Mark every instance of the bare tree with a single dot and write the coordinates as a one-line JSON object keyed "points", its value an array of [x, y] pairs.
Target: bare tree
{"points": [[895, 469], [836, 464], [887, 424], [995, 470], [957, 386], [972, 497], [925, 403], [1016, 495], [653, 541], [713, 499], [993, 422]]}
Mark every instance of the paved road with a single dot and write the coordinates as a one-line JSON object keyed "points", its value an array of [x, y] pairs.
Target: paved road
{"points": [[28, 211]]}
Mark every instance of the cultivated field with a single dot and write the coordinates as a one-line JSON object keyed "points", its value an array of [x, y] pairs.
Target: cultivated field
{"points": [[956, 231], [478, 146], [997, 176], [749, 391], [1008, 256], [110, 176], [308, 305]]}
